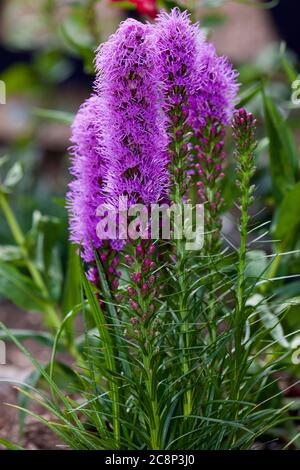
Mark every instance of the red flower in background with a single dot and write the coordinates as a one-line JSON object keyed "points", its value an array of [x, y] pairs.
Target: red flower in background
{"points": [[145, 7]]}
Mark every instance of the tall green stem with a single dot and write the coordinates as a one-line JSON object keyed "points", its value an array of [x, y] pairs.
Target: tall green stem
{"points": [[180, 188], [244, 135], [150, 372], [154, 419]]}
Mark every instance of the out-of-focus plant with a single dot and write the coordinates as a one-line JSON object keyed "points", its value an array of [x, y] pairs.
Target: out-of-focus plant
{"points": [[31, 272]]}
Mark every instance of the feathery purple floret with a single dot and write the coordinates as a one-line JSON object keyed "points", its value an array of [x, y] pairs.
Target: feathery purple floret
{"points": [[88, 169], [215, 96], [134, 136], [179, 44], [193, 75]]}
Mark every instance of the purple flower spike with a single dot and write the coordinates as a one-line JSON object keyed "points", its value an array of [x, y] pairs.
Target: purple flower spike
{"points": [[88, 168], [179, 43], [193, 75], [133, 125], [216, 90]]}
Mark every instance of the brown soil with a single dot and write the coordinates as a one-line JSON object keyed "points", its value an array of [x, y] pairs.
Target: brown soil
{"points": [[36, 435]]}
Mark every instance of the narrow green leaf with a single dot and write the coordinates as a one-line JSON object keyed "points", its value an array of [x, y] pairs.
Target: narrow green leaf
{"points": [[42, 337], [287, 219], [247, 95], [20, 289], [65, 378], [32, 381], [282, 150], [54, 115], [65, 321], [9, 445], [72, 288], [287, 66]]}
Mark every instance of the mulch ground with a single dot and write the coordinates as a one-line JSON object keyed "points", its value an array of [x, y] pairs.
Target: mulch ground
{"points": [[36, 436]]}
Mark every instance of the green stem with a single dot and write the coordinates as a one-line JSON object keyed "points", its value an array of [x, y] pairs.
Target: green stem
{"points": [[52, 316], [180, 253], [242, 251], [154, 421], [179, 130], [184, 330], [115, 407], [240, 290], [151, 384]]}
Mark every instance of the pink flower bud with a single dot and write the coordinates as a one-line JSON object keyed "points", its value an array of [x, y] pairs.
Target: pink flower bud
{"points": [[134, 305], [139, 250], [131, 291], [136, 277], [151, 308], [152, 265], [152, 249], [129, 260], [144, 288], [115, 261], [146, 264], [103, 257]]}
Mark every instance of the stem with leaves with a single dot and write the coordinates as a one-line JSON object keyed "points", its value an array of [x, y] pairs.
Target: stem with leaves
{"points": [[142, 294], [244, 135], [180, 182]]}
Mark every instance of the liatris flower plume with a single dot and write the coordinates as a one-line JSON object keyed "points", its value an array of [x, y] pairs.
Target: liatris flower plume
{"points": [[88, 168], [135, 145], [133, 126], [200, 90], [210, 109], [215, 90], [179, 43]]}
